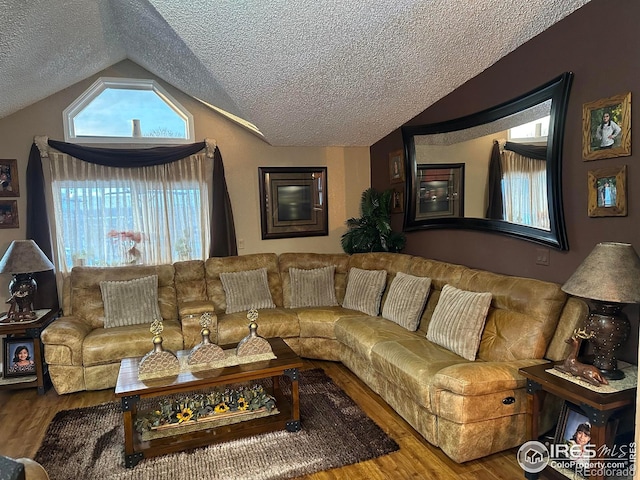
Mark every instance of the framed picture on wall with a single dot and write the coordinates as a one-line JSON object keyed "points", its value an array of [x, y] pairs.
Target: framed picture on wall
{"points": [[440, 190], [606, 128], [396, 167], [397, 201], [9, 214], [9, 185], [293, 201], [18, 358], [608, 192]]}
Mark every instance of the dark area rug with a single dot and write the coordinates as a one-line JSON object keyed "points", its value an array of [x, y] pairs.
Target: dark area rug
{"points": [[88, 443]]}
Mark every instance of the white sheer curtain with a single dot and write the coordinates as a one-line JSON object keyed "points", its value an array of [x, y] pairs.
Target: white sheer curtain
{"points": [[116, 216], [524, 189]]}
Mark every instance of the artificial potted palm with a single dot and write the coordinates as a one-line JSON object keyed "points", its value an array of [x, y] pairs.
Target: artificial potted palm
{"points": [[372, 231]]}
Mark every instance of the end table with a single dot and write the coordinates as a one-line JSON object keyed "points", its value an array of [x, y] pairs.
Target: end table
{"points": [[597, 407], [31, 329]]}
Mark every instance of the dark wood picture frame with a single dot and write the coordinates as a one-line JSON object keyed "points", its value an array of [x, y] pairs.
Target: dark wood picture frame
{"points": [[607, 192], [9, 348], [440, 191], [9, 184], [9, 214], [396, 167], [293, 202], [397, 201], [618, 108], [570, 417]]}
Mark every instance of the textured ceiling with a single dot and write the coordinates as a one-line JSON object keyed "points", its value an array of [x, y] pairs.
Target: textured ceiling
{"points": [[305, 72]]}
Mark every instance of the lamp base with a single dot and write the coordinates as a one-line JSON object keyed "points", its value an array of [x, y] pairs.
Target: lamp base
{"points": [[22, 289], [610, 328]]}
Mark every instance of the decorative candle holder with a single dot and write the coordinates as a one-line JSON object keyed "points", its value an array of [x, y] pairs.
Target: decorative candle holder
{"points": [[158, 359], [205, 351], [253, 344]]}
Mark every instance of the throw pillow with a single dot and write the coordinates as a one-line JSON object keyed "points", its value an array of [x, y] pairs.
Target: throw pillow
{"points": [[364, 290], [246, 290], [313, 288], [406, 300], [458, 320], [130, 302]]}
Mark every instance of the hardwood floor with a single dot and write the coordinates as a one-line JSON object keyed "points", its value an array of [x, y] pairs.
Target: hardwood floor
{"points": [[24, 417]]}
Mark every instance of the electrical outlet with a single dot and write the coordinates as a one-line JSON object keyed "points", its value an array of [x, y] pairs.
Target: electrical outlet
{"points": [[240, 243], [542, 256]]}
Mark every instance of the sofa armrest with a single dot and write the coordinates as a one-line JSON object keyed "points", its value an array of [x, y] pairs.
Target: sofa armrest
{"points": [[63, 341], [480, 378], [190, 313]]}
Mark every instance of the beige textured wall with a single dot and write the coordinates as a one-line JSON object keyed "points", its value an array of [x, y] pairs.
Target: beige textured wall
{"points": [[348, 169]]}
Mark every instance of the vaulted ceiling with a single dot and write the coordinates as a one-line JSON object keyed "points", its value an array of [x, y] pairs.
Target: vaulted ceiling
{"points": [[305, 72]]}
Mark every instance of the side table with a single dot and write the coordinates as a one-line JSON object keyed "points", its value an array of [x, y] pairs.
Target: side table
{"points": [[31, 329], [597, 407]]}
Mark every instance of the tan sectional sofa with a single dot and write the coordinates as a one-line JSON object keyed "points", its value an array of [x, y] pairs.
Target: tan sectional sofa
{"points": [[468, 408]]}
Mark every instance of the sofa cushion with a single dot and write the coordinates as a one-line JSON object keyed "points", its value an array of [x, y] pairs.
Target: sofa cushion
{"points": [[246, 290], [313, 287], [110, 345], [406, 299], [364, 290], [273, 322], [130, 302], [411, 365], [361, 333], [458, 320]]}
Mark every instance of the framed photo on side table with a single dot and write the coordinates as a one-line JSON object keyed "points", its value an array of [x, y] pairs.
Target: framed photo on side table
{"points": [[608, 192], [606, 128], [18, 358], [293, 202], [9, 185]]}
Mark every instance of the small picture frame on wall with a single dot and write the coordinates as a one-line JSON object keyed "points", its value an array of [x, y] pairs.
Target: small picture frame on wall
{"points": [[9, 214], [396, 167], [9, 185], [606, 128], [397, 201], [18, 359], [608, 192]]}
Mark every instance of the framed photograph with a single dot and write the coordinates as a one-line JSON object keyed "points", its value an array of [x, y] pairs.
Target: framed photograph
{"points": [[9, 185], [396, 166], [606, 128], [608, 192], [440, 191], [9, 214], [293, 201], [397, 201], [573, 429], [18, 358]]}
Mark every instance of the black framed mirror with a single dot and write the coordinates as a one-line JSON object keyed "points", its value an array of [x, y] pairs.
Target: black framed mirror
{"points": [[512, 157]]}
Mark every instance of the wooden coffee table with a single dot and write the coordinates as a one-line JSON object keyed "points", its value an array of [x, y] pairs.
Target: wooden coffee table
{"points": [[130, 389]]}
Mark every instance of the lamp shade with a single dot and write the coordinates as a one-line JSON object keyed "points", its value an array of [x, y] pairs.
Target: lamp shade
{"points": [[24, 256], [611, 273]]}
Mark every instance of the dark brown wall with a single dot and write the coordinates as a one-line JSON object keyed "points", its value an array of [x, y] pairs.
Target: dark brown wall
{"points": [[599, 43]]}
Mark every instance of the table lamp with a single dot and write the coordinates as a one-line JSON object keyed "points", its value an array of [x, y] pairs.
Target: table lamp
{"points": [[609, 279], [22, 259]]}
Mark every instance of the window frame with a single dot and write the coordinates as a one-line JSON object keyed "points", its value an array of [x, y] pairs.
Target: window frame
{"points": [[104, 83]]}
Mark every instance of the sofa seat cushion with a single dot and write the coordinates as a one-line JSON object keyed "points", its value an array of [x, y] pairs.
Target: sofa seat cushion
{"points": [[361, 332], [109, 345], [411, 364], [272, 322], [319, 322]]}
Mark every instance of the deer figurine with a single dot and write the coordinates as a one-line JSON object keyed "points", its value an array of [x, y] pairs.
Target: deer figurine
{"points": [[573, 367]]}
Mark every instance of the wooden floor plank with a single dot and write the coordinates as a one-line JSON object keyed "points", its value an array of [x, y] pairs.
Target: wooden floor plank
{"points": [[25, 415]]}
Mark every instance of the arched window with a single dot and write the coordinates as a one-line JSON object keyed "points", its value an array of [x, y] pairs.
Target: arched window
{"points": [[131, 111]]}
